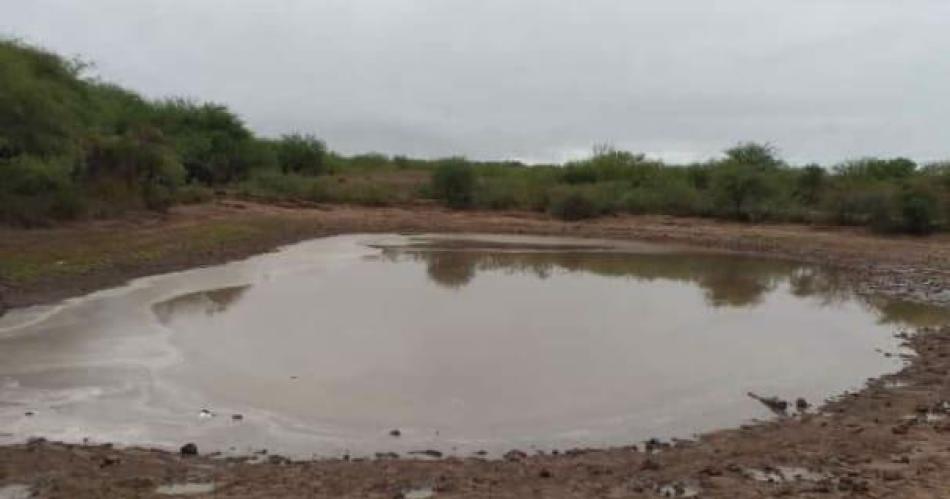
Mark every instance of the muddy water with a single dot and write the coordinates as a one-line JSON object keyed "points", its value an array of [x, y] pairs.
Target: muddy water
{"points": [[461, 343]]}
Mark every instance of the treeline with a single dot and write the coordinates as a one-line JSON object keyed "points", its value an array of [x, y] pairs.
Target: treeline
{"points": [[75, 147], [72, 146], [750, 183]]}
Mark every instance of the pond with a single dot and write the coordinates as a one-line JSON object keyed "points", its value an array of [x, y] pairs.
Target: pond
{"points": [[375, 343]]}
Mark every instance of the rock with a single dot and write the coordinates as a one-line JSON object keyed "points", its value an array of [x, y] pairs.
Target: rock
{"points": [[544, 474], [654, 444], [891, 475], [801, 404], [515, 455], [387, 455], [774, 404], [28, 413], [900, 429], [189, 449], [237, 417], [428, 452], [650, 465], [395, 433], [108, 461], [711, 471]]}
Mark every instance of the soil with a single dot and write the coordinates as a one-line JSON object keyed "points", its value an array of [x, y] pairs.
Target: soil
{"points": [[891, 439]]}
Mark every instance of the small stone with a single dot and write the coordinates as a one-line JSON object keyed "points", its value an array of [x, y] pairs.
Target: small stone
{"points": [[544, 474], [515, 455], [891, 475], [237, 417], [395, 433], [801, 404], [711, 471], [189, 449], [650, 465]]}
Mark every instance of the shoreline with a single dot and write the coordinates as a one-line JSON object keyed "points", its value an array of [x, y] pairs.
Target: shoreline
{"points": [[859, 443]]}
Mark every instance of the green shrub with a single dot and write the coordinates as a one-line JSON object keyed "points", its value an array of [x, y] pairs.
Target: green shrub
{"points": [[919, 210], [573, 205], [454, 182], [302, 154], [739, 190]]}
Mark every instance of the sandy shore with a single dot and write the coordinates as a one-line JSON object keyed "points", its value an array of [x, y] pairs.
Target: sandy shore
{"points": [[889, 440]]}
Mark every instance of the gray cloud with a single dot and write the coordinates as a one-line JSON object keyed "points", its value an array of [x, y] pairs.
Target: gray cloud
{"points": [[540, 80]]}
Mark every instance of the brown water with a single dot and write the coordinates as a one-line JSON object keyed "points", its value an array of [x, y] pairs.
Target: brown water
{"points": [[460, 342]]}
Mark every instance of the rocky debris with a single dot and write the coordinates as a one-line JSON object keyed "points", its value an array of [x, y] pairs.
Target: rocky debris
{"points": [[774, 404], [801, 404], [515, 455], [189, 449], [677, 489], [186, 489], [891, 475], [650, 465], [15, 491], [711, 471], [902, 428], [655, 444]]}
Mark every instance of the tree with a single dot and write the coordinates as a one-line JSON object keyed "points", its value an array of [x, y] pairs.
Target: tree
{"points": [[810, 184], [752, 154], [303, 154], [454, 182], [739, 188]]}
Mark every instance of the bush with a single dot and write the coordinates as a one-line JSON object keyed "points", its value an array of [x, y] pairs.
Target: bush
{"points": [[919, 210], [573, 206], [739, 190], [454, 182], [302, 154]]}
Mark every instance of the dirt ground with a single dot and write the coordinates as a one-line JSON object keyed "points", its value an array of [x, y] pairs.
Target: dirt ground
{"points": [[891, 439]]}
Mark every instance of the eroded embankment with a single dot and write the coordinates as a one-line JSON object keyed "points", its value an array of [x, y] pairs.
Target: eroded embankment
{"points": [[889, 440]]}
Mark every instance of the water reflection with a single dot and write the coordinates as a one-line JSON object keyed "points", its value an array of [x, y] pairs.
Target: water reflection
{"points": [[207, 302], [726, 280]]}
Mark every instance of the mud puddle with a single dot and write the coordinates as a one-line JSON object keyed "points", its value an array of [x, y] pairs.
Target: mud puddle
{"points": [[360, 344]]}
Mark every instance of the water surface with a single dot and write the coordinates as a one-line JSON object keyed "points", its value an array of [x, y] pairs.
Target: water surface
{"points": [[461, 343]]}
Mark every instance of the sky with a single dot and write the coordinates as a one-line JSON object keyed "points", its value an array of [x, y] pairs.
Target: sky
{"points": [[535, 80]]}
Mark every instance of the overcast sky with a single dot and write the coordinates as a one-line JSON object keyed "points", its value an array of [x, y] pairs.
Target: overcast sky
{"points": [[823, 80]]}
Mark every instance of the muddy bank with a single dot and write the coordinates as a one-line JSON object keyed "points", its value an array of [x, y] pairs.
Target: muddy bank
{"points": [[44, 265], [889, 440]]}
